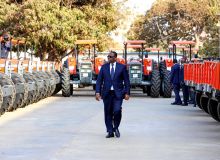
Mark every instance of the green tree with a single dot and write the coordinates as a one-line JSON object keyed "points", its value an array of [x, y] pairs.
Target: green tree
{"points": [[52, 26]]}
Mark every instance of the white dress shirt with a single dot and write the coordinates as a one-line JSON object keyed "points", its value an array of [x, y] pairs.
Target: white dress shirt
{"points": [[114, 66]]}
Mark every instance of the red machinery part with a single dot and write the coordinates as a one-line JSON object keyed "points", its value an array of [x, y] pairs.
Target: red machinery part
{"points": [[216, 76], [72, 65], [135, 41], [169, 64], [121, 60], [99, 61], [147, 66]]}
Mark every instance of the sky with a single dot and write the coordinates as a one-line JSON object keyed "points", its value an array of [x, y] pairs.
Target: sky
{"points": [[137, 7], [140, 6]]}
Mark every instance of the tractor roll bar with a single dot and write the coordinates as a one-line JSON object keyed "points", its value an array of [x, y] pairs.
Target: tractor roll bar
{"points": [[190, 43], [135, 44], [154, 49]]}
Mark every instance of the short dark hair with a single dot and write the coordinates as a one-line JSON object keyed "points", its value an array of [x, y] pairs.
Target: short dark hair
{"points": [[174, 60], [115, 53]]}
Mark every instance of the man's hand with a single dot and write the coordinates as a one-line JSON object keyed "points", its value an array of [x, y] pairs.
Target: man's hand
{"points": [[127, 97], [97, 97]]}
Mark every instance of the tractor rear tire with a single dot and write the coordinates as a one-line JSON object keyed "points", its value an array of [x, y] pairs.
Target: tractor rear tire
{"points": [[166, 85], [65, 79], [21, 98], [57, 75], [31, 94], [197, 99], [204, 102], [8, 101], [218, 110], [155, 84], [213, 109]]}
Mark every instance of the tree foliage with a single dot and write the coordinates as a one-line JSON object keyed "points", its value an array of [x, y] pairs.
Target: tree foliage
{"points": [[52, 26]]}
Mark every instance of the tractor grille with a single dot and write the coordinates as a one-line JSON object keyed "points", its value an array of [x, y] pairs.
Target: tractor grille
{"points": [[135, 73], [85, 73]]}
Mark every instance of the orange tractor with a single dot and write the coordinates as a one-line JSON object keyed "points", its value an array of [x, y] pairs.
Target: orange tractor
{"points": [[163, 67], [82, 71], [142, 72]]}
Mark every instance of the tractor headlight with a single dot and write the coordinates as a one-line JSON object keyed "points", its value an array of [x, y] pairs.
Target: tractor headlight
{"points": [[149, 68], [99, 67], [132, 71]]}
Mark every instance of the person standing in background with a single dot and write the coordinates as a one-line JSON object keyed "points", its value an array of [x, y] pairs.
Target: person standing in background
{"points": [[175, 80]]}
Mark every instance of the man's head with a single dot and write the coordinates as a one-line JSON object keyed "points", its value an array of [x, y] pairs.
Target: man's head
{"points": [[174, 61], [112, 56], [6, 37]]}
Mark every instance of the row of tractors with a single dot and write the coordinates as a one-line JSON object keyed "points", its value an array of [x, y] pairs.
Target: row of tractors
{"points": [[23, 82], [150, 75]]}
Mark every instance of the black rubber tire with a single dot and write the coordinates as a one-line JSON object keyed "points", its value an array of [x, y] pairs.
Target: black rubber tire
{"points": [[52, 86], [197, 99], [154, 65], [213, 109], [162, 67], [46, 84], [204, 102], [43, 91], [8, 101], [65, 79], [155, 84], [166, 85], [58, 75], [218, 110], [20, 98], [34, 94]]}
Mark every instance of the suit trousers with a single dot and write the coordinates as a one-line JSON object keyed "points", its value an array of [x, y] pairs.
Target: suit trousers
{"points": [[176, 89], [185, 90], [112, 111]]}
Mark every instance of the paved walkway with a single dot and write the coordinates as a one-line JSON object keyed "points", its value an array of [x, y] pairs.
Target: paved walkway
{"points": [[73, 128]]}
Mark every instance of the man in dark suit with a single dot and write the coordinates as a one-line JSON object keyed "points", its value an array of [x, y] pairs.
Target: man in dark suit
{"points": [[184, 87], [113, 86], [175, 80]]}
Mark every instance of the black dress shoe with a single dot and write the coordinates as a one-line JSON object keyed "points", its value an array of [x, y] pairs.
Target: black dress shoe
{"points": [[174, 103], [117, 133], [184, 104], [109, 135]]}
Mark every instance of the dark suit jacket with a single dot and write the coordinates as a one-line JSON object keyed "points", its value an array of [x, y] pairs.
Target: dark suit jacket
{"points": [[120, 82], [175, 73], [181, 74]]}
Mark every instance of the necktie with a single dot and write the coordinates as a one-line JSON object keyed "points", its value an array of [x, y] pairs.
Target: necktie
{"points": [[112, 71]]}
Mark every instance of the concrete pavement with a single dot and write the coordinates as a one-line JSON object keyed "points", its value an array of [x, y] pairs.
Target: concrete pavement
{"points": [[73, 128]]}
